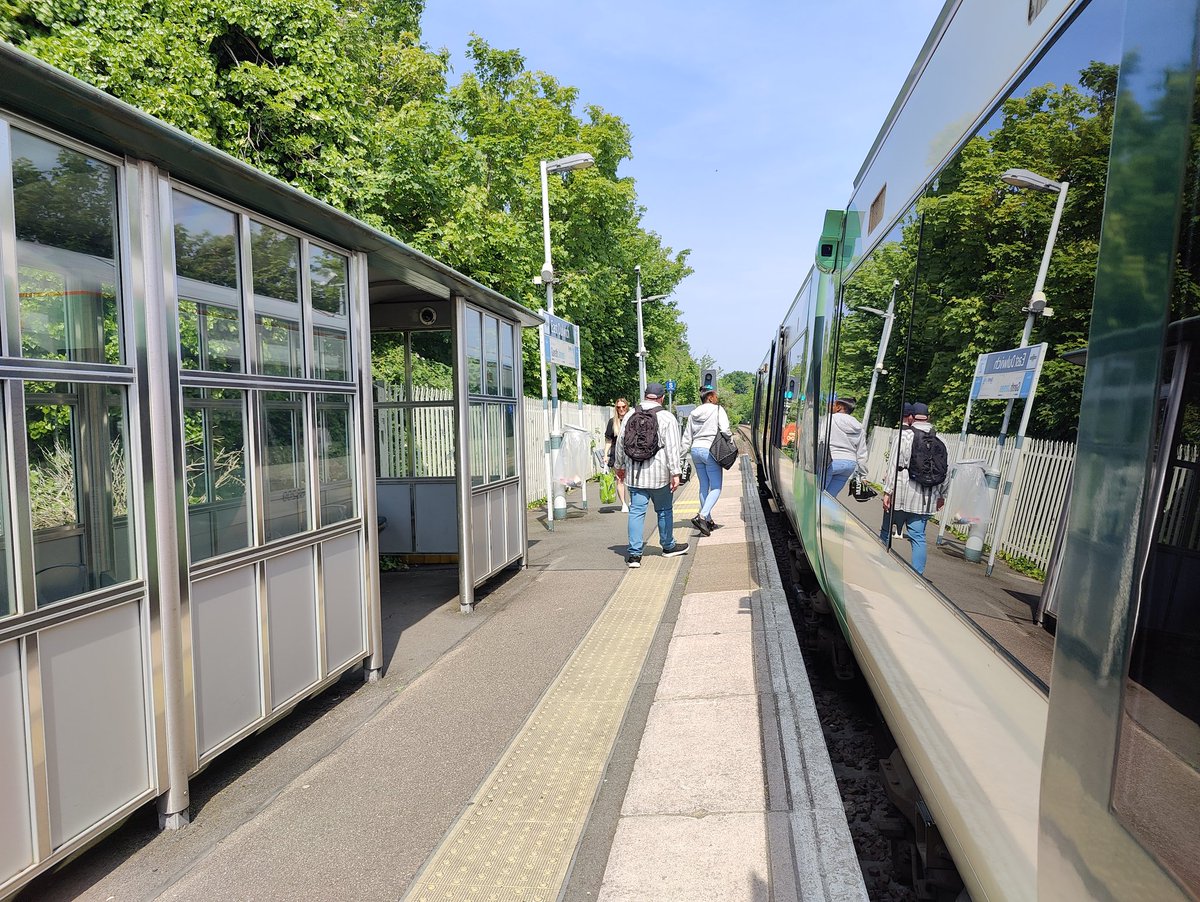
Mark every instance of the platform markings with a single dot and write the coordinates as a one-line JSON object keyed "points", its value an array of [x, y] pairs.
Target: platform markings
{"points": [[517, 836]]}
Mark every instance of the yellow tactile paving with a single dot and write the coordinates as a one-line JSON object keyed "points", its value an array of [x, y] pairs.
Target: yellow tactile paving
{"points": [[517, 837]]}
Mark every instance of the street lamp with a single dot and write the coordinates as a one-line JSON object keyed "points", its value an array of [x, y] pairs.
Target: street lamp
{"points": [[558, 510], [1031, 181], [889, 317], [641, 353]]}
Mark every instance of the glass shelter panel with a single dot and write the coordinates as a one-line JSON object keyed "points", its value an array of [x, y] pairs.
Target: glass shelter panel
{"points": [[507, 369], [335, 458], [206, 268], [214, 435], [79, 488], [285, 470], [474, 338], [491, 355], [433, 366], [275, 258], [65, 212], [329, 281], [8, 601]]}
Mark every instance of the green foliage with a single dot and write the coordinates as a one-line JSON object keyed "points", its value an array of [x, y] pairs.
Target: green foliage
{"points": [[341, 99], [980, 244], [736, 391]]}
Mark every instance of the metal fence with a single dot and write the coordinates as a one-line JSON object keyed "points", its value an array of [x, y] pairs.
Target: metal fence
{"points": [[595, 418], [1039, 488]]}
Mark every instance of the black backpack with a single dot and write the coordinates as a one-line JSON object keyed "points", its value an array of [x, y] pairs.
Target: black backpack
{"points": [[641, 435], [927, 464]]}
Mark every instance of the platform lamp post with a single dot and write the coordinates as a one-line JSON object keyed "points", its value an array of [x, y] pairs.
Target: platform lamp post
{"points": [[889, 317], [1029, 181], [558, 509], [641, 352]]}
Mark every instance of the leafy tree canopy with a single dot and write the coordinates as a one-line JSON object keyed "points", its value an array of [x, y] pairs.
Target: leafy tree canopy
{"points": [[341, 99]]}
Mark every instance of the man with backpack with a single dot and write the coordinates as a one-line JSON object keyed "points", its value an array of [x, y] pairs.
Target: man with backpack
{"points": [[915, 489], [648, 462]]}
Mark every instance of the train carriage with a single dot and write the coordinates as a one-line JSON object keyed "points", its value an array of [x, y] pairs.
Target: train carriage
{"points": [[1038, 170]]}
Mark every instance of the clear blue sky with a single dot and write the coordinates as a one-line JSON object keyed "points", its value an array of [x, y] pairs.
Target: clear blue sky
{"points": [[749, 121]]}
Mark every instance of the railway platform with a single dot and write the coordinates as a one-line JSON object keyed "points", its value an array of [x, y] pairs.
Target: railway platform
{"points": [[588, 732]]}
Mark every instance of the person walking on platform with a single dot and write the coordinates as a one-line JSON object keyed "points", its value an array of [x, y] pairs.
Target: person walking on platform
{"points": [[915, 489], [649, 462], [847, 446], [611, 431], [702, 426]]}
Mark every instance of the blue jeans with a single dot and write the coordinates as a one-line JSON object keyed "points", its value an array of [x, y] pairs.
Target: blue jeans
{"points": [[840, 471], [639, 500], [914, 531], [711, 476]]}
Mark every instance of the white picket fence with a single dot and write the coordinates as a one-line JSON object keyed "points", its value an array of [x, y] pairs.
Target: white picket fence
{"points": [[1039, 488], [594, 420]]}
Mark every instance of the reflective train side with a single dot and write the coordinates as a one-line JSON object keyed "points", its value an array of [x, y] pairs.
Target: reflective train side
{"points": [[1054, 766]]}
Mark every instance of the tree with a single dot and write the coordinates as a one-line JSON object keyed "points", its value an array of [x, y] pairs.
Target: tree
{"points": [[339, 98]]}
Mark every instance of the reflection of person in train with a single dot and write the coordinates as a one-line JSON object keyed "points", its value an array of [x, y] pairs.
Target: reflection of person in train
{"points": [[847, 446], [915, 489]]}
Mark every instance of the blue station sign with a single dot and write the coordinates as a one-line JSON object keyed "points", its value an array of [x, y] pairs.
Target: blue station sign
{"points": [[1006, 374]]}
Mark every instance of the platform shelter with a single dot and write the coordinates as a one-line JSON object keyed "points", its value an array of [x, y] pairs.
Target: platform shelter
{"points": [[214, 392]]}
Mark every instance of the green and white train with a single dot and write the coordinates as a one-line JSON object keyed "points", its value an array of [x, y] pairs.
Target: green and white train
{"points": [[1055, 763]]}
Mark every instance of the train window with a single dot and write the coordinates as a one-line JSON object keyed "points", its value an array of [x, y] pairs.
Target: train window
{"points": [[65, 212], [967, 261], [1157, 786]]}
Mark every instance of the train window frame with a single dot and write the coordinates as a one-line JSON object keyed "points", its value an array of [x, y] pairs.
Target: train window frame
{"points": [[1156, 764]]}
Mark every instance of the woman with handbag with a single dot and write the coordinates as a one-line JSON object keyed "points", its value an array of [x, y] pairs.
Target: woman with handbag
{"points": [[620, 409], [703, 424]]}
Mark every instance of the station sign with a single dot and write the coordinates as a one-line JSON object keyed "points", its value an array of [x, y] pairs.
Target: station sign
{"points": [[1006, 374], [562, 341], [670, 386]]}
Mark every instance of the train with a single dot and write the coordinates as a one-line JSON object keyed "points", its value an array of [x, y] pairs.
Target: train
{"points": [[1035, 192]]}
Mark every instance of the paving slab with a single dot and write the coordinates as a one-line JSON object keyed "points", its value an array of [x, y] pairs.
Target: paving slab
{"points": [[710, 613], [708, 666], [718, 858], [688, 766]]}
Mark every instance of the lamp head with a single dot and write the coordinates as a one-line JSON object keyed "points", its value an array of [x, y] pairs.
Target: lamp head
{"points": [[567, 164], [1023, 178]]}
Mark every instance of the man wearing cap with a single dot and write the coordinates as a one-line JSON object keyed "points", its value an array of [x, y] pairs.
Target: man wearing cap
{"points": [[907, 502], [652, 480]]}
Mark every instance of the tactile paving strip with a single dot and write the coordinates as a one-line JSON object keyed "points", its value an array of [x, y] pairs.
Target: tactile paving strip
{"points": [[517, 837]]}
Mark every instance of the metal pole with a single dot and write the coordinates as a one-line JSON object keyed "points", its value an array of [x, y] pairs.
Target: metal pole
{"points": [[542, 339], [962, 447], [641, 338], [888, 318], [1001, 530], [579, 395], [1038, 286], [462, 449], [558, 509]]}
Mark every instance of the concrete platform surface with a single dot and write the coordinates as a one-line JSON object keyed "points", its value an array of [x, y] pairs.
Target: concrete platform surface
{"points": [[615, 733]]}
